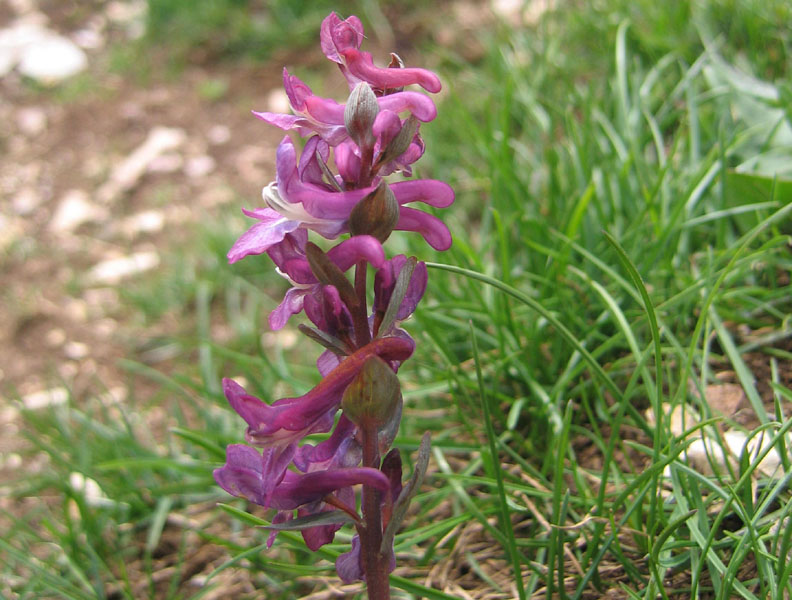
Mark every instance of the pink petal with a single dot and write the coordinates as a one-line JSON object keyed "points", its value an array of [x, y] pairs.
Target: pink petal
{"points": [[430, 227], [270, 230]]}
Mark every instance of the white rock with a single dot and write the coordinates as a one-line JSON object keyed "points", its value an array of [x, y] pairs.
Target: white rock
{"points": [[11, 461], [770, 465], [113, 270], [166, 163], [218, 134], [52, 59], [55, 337], [148, 221], [75, 209], [46, 398], [127, 174], [14, 40], [199, 166], [75, 350], [90, 489], [31, 120], [90, 39], [26, 201]]}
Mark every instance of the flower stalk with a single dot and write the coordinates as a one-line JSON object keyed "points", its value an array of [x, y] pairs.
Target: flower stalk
{"points": [[315, 489]]}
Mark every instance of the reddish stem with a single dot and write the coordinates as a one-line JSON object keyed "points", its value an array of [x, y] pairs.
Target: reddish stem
{"points": [[377, 582]]}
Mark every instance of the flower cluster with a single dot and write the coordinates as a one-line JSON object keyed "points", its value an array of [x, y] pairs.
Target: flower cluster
{"points": [[373, 135]]}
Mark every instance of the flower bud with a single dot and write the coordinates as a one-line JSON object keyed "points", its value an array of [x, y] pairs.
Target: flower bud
{"points": [[359, 114], [373, 396], [376, 214]]}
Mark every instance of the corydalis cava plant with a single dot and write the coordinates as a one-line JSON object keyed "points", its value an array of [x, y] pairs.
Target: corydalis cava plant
{"points": [[374, 134]]}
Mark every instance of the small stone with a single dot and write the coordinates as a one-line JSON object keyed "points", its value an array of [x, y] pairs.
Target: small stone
{"points": [[199, 166], [31, 120], [148, 221], [11, 461], [113, 270], [128, 173], [52, 60], [46, 398], [8, 414], [89, 39], [90, 489], [15, 39], [75, 209], [75, 350], [167, 163], [104, 328], [218, 134], [26, 201], [55, 337]]}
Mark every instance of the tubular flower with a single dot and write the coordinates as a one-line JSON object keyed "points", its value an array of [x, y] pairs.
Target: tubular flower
{"points": [[316, 487]]}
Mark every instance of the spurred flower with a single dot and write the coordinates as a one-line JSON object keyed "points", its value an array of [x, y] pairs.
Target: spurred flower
{"points": [[244, 476], [325, 117], [285, 421], [341, 40]]}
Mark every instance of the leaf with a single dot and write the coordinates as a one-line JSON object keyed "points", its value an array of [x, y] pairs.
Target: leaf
{"points": [[326, 271], [333, 517], [199, 439], [330, 342], [399, 292], [407, 493]]}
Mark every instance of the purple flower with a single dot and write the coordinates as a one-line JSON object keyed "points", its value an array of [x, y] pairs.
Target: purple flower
{"points": [[289, 256], [325, 117], [244, 475], [385, 283], [286, 421], [296, 202], [340, 41]]}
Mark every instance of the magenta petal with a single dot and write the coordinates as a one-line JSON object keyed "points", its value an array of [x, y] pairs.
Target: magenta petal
{"points": [[292, 304], [316, 537], [309, 170], [350, 36], [429, 191], [326, 205], [242, 473], [285, 122], [419, 105], [327, 361], [271, 229], [280, 517], [430, 227], [361, 247], [324, 110], [347, 162], [385, 283], [296, 91], [361, 65], [275, 460], [349, 565], [291, 419], [387, 125], [296, 490]]}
